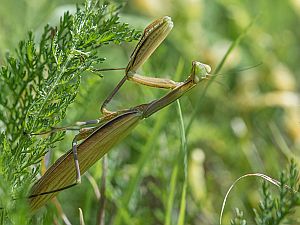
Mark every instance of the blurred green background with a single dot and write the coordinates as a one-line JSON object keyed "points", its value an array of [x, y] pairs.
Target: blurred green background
{"points": [[248, 120]]}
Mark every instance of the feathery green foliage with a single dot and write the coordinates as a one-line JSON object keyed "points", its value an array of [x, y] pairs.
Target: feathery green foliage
{"points": [[239, 218], [228, 129], [40, 81], [274, 210]]}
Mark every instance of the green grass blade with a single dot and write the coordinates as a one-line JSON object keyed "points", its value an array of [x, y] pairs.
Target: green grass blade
{"points": [[147, 150], [171, 195], [182, 204], [184, 154], [234, 44], [110, 194], [143, 160], [218, 68]]}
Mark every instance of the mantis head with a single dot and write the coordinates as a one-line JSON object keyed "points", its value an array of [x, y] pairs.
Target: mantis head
{"points": [[199, 71]]}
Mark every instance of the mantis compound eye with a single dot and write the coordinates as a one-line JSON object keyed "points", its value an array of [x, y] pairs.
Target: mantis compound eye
{"points": [[207, 68]]}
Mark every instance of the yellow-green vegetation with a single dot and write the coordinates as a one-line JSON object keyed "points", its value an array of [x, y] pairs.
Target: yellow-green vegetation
{"points": [[176, 166]]}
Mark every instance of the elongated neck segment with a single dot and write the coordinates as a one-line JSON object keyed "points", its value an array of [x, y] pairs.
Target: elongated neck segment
{"points": [[198, 73]]}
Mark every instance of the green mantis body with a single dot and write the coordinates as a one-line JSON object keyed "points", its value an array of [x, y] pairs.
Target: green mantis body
{"points": [[115, 126]]}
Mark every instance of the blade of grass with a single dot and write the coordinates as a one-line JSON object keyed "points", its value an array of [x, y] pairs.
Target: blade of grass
{"points": [[145, 158], [111, 196], [2, 216], [173, 181], [263, 176], [81, 220], [281, 143], [233, 45], [142, 162], [171, 195], [182, 204], [217, 70], [102, 200], [184, 154]]}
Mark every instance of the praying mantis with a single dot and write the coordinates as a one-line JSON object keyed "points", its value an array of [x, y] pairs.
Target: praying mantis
{"points": [[113, 127]]}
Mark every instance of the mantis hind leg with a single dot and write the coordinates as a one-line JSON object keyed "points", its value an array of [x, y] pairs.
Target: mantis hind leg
{"points": [[85, 132], [78, 126]]}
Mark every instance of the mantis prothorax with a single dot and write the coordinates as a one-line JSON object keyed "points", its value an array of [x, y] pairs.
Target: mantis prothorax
{"points": [[115, 126]]}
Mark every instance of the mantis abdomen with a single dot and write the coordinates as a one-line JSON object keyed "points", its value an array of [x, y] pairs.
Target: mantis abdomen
{"points": [[62, 172]]}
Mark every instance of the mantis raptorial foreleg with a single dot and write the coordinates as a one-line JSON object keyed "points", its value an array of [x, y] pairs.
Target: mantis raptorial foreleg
{"points": [[152, 37]]}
